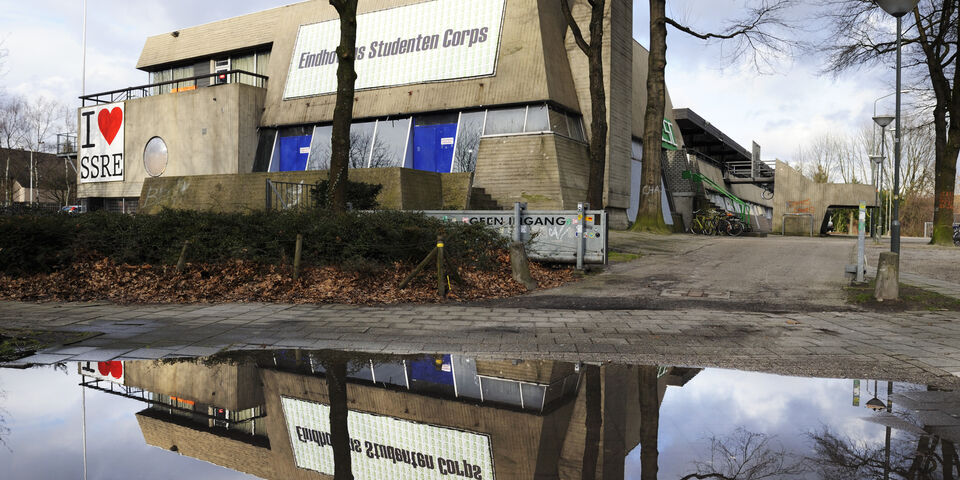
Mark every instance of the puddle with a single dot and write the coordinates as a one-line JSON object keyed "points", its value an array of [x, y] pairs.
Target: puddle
{"points": [[267, 415]]}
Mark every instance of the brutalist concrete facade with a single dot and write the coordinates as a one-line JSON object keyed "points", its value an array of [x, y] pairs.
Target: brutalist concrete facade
{"points": [[538, 67]]}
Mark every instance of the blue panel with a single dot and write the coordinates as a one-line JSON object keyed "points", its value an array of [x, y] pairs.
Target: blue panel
{"points": [[293, 152], [433, 147], [430, 370]]}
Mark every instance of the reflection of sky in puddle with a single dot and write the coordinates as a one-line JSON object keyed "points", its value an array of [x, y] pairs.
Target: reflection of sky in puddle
{"points": [[42, 408], [717, 402]]}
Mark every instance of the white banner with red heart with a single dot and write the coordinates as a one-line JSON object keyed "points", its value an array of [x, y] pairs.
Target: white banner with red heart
{"points": [[101, 143]]}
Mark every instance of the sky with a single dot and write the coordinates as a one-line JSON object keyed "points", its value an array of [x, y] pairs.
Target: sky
{"points": [[780, 110]]}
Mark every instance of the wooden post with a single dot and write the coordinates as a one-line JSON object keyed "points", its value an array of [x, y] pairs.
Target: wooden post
{"points": [[441, 278], [182, 261], [416, 271], [296, 256]]}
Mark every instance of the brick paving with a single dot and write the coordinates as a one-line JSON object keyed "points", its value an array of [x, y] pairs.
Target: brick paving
{"points": [[922, 347]]}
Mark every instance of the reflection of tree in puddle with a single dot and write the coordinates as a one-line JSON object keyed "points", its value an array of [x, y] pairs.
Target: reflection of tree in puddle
{"points": [[914, 458], [746, 455]]}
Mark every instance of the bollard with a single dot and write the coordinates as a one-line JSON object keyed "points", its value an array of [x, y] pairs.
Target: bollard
{"points": [[182, 261], [581, 240], [888, 277], [296, 256], [441, 278]]}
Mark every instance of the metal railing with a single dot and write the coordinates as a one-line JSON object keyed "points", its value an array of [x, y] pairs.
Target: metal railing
{"points": [[287, 195], [178, 85], [66, 144]]}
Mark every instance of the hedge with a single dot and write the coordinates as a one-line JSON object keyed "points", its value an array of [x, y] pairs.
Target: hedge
{"points": [[43, 243]]}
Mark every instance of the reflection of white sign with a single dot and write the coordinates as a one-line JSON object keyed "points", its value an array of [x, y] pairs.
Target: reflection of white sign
{"points": [[386, 447], [109, 371], [427, 41], [101, 143]]}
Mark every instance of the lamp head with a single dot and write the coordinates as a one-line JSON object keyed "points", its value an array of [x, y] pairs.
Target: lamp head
{"points": [[883, 120], [897, 8], [875, 404], [877, 159]]}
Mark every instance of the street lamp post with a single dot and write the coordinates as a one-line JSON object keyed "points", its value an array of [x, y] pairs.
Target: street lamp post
{"points": [[897, 8], [882, 121], [877, 162]]}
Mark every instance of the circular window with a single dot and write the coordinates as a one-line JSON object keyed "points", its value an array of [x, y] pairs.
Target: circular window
{"points": [[155, 157]]}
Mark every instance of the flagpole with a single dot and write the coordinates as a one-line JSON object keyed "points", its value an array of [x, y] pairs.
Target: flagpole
{"points": [[83, 67]]}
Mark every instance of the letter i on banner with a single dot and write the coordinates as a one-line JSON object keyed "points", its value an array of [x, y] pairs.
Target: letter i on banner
{"points": [[101, 152]]}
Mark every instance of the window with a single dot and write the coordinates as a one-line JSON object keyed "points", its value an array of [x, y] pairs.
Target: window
{"points": [[468, 141], [558, 123], [361, 142], [390, 143], [669, 141], [320, 148], [537, 119], [505, 120], [155, 157], [261, 160]]}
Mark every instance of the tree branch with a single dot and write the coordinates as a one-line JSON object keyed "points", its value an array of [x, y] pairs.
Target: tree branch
{"points": [[572, 23]]}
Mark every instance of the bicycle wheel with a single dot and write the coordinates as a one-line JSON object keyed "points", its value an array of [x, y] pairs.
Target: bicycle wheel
{"points": [[736, 229], [721, 226]]}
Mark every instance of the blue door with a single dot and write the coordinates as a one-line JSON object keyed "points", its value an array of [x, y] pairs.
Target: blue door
{"points": [[433, 147], [294, 152]]}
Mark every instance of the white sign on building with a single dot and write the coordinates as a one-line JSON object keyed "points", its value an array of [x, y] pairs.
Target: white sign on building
{"points": [[424, 42], [101, 143], [387, 448]]}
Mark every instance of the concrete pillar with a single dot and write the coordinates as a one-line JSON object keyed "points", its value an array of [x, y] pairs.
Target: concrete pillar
{"points": [[888, 277]]}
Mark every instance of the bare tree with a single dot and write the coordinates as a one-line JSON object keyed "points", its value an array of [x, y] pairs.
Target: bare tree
{"points": [[13, 122], [465, 155], [930, 47], [343, 110], [593, 49], [760, 34], [745, 455], [44, 119]]}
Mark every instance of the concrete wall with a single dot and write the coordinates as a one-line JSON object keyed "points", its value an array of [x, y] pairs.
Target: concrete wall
{"points": [[231, 386], [207, 131], [795, 193], [403, 188], [223, 450], [523, 168], [521, 61]]}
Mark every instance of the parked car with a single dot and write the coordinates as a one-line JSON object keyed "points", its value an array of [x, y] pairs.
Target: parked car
{"points": [[73, 209]]}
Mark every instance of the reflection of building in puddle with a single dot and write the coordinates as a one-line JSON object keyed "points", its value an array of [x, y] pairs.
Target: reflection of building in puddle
{"points": [[432, 417]]}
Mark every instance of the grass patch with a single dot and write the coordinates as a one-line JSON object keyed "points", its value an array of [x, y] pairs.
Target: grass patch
{"points": [[16, 344], [623, 256], [911, 299]]}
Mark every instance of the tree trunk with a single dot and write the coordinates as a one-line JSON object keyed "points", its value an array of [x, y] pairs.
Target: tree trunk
{"points": [[598, 102], [649, 423], [945, 176], [343, 110], [649, 215], [339, 433], [593, 421]]}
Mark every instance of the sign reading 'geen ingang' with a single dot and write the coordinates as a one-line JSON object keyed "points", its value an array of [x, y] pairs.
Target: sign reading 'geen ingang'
{"points": [[387, 448], [424, 42]]}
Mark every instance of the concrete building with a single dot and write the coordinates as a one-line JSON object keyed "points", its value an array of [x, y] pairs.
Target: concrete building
{"points": [[269, 417], [50, 181], [493, 88]]}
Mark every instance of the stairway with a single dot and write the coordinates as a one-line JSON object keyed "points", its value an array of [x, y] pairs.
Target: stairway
{"points": [[481, 200]]}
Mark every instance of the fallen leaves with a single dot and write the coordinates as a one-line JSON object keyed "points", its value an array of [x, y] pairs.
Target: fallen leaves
{"points": [[250, 282]]}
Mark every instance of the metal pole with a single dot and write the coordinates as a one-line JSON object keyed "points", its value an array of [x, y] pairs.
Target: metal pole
{"points": [[31, 177], [860, 238], [581, 216], [895, 226], [83, 66], [83, 424]]}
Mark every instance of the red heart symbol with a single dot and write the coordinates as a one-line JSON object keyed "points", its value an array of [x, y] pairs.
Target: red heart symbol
{"points": [[116, 369], [103, 368], [110, 122]]}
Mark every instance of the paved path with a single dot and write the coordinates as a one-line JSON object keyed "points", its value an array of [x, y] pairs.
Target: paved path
{"points": [[943, 287], [915, 347]]}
